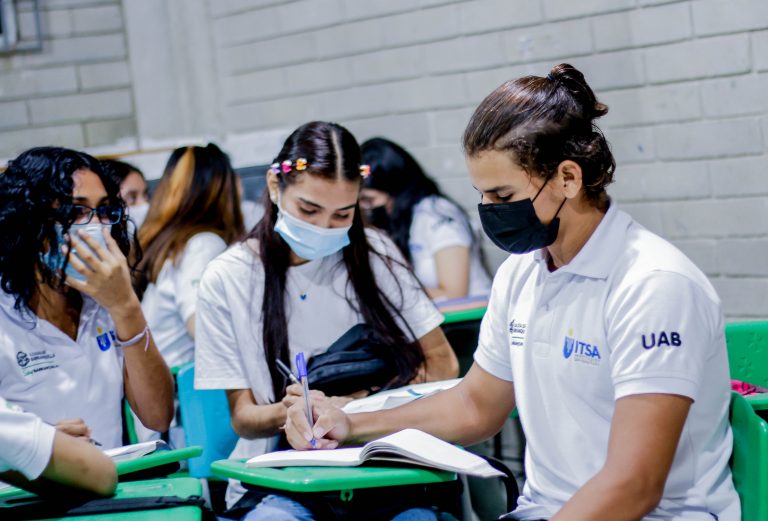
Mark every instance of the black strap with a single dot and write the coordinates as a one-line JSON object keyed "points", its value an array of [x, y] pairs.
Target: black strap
{"points": [[510, 484], [48, 509]]}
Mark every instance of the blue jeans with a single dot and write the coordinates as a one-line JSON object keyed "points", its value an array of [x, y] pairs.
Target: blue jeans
{"points": [[280, 508]]}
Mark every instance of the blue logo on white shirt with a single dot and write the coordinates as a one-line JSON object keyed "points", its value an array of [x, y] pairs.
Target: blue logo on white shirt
{"points": [[580, 351], [105, 339]]}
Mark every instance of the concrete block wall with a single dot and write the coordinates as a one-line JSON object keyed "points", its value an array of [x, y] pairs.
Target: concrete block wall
{"points": [[686, 81], [77, 91]]}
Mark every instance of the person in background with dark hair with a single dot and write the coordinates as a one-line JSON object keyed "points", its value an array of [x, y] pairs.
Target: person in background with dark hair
{"points": [[133, 188], [307, 274], [432, 232], [73, 338], [194, 216], [605, 336]]}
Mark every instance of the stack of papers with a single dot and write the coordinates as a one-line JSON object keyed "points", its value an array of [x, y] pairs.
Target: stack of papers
{"points": [[137, 450]]}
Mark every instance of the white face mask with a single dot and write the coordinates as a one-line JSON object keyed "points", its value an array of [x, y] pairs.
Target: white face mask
{"points": [[307, 240], [138, 213]]}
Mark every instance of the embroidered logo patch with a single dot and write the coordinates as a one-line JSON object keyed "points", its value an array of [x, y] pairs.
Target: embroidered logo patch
{"points": [[580, 351], [517, 332]]}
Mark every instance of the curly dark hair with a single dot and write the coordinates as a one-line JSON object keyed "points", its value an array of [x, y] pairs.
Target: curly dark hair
{"points": [[35, 194], [543, 122]]}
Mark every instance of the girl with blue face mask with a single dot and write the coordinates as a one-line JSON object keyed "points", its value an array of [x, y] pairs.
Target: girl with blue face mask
{"points": [[309, 272], [75, 342]]}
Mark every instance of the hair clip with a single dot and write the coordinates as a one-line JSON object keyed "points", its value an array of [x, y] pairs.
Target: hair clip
{"points": [[365, 171], [274, 168], [286, 166], [301, 164]]}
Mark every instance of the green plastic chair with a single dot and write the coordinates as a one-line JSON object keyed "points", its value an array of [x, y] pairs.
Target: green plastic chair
{"points": [[749, 462], [748, 356]]}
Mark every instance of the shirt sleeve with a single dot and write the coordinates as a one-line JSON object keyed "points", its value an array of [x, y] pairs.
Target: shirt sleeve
{"points": [[26, 442], [218, 364], [493, 349], [400, 286], [444, 226], [661, 331], [199, 251]]}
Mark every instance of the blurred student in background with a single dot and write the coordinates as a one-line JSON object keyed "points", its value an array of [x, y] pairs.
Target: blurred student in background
{"points": [[432, 232], [133, 188], [195, 214], [73, 339], [308, 273]]}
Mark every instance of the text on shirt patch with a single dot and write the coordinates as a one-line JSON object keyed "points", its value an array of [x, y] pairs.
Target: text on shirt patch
{"points": [[36, 361], [583, 352], [517, 330], [671, 339]]}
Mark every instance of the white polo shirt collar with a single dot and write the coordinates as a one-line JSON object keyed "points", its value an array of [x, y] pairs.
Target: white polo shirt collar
{"points": [[597, 257]]}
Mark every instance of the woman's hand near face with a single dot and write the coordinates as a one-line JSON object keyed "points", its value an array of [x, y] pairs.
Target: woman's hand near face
{"points": [[107, 278]]}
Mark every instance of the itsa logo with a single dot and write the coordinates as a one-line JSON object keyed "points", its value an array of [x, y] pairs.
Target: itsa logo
{"points": [[583, 352]]}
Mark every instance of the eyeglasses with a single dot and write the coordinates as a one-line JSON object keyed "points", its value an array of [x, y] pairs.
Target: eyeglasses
{"points": [[81, 214]]}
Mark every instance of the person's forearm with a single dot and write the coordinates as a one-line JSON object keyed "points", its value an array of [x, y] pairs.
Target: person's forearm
{"points": [[441, 365], [436, 414], [259, 421], [148, 382], [616, 498]]}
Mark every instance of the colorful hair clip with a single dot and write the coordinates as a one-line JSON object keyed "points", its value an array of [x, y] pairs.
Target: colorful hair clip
{"points": [[286, 166], [365, 171], [274, 168], [301, 164]]}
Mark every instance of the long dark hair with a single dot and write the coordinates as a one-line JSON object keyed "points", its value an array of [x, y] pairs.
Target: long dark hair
{"points": [[331, 153], [36, 194], [197, 193], [397, 173], [543, 121]]}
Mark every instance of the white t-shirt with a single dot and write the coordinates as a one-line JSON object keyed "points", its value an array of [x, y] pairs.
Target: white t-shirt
{"points": [[26, 442], [171, 300], [229, 352], [438, 224], [630, 314], [45, 372]]}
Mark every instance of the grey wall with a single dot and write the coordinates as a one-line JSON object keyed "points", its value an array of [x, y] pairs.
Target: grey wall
{"points": [[686, 80], [77, 91]]}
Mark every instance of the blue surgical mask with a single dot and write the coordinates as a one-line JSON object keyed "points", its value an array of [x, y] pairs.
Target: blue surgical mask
{"points": [[307, 240], [54, 258]]}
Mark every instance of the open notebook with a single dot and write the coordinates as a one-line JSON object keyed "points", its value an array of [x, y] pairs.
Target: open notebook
{"points": [[137, 450], [407, 446], [397, 397]]}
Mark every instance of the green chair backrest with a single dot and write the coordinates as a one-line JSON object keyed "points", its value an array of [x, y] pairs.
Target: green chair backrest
{"points": [[749, 462], [748, 351]]}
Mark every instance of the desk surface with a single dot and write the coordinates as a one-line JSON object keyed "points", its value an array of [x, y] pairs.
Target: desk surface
{"points": [[463, 309], [324, 479], [155, 459], [181, 487]]}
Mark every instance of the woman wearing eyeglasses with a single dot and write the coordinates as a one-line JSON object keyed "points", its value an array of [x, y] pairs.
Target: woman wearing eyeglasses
{"points": [[73, 338]]}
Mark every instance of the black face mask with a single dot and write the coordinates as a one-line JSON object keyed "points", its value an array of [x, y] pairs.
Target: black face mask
{"points": [[515, 227], [377, 217]]}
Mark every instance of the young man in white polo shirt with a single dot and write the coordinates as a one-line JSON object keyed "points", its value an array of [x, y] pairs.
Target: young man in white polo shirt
{"points": [[608, 339], [34, 456], [73, 339]]}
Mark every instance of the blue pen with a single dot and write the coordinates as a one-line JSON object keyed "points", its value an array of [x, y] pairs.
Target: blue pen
{"points": [[301, 369]]}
